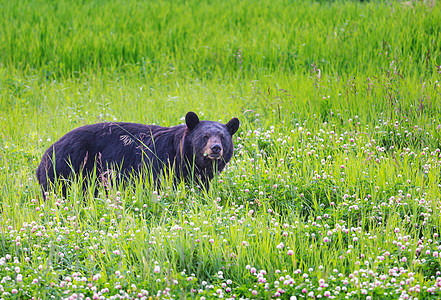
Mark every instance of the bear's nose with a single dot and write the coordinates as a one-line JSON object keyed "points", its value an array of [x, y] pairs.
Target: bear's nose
{"points": [[216, 148]]}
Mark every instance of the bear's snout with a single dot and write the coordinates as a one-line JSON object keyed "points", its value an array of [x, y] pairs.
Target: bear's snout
{"points": [[213, 150], [216, 148]]}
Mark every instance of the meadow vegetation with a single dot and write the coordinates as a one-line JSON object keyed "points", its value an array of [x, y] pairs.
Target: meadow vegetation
{"points": [[334, 190]]}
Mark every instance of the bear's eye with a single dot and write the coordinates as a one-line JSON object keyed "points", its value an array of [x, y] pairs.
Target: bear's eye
{"points": [[206, 137], [221, 137]]}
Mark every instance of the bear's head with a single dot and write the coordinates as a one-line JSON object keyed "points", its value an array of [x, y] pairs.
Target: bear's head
{"points": [[210, 141]]}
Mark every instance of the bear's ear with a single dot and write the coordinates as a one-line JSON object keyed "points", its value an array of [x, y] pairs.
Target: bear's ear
{"points": [[233, 125], [191, 120]]}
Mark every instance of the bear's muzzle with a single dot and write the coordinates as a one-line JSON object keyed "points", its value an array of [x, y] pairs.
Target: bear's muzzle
{"points": [[213, 152]]}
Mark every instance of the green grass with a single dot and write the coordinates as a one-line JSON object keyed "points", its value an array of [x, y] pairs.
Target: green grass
{"points": [[337, 165]]}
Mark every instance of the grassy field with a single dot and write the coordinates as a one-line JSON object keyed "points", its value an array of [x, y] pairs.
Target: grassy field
{"points": [[334, 190]]}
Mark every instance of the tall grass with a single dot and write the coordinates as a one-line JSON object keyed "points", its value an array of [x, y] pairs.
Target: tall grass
{"points": [[201, 39], [334, 189]]}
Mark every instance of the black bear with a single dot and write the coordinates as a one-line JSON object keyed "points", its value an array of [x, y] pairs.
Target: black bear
{"points": [[194, 150]]}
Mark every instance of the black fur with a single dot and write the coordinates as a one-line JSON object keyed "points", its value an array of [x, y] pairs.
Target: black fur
{"points": [[131, 148]]}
